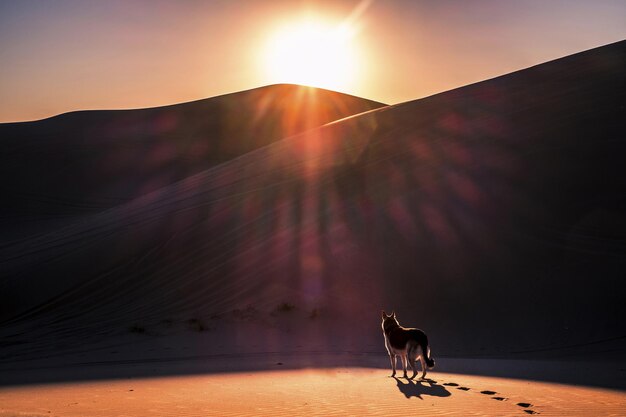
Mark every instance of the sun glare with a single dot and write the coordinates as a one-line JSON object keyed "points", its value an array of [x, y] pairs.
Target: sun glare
{"points": [[312, 53]]}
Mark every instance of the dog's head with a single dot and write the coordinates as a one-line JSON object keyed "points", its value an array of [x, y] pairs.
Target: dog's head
{"points": [[389, 321]]}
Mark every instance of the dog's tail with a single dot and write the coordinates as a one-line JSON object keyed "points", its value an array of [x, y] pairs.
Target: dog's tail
{"points": [[430, 362]]}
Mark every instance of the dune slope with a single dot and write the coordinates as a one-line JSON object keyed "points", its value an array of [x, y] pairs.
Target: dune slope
{"points": [[492, 216]]}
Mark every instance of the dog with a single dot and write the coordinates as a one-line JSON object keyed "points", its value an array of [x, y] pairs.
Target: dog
{"points": [[408, 344]]}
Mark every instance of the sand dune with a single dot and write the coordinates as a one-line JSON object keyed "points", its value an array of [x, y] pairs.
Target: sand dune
{"points": [[78, 163], [492, 216]]}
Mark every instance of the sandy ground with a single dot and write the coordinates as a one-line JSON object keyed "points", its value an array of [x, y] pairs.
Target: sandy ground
{"points": [[332, 391]]}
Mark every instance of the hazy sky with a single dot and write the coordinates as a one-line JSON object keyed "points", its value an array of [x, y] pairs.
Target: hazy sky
{"points": [[63, 55]]}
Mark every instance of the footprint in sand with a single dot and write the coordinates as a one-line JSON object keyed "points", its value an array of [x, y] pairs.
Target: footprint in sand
{"points": [[526, 405], [489, 392], [454, 384]]}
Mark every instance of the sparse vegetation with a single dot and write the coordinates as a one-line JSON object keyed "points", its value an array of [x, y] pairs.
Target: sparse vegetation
{"points": [[136, 328], [197, 325], [284, 308], [247, 313], [315, 313]]}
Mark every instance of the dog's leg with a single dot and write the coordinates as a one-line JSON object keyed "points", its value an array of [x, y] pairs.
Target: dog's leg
{"points": [[412, 363], [404, 361], [423, 363], [392, 358], [413, 366]]}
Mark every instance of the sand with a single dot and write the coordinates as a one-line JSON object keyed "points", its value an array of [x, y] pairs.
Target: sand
{"points": [[491, 216], [323, 392]]}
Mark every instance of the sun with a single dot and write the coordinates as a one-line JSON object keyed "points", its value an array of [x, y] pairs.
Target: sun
{"points": [[312, 53]]}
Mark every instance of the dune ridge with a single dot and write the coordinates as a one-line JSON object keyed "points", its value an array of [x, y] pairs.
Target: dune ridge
{"points": [[82, 162]]}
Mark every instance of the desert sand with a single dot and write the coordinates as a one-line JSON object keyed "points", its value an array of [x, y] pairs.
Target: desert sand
{"points": [[183, 252], [320, 392]]}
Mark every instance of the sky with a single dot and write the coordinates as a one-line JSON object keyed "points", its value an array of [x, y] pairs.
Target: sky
{"points": [[63, 55]]}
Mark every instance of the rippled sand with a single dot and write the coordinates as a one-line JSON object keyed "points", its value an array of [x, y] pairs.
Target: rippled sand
{"points": [[324, 392]]}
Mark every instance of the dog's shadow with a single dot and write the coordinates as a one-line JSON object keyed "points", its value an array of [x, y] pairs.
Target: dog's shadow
{"points": [[411, 388]]}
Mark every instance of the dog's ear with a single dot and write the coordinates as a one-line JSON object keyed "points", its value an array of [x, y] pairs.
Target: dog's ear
{"points": [[393, 314], [384, 315]]}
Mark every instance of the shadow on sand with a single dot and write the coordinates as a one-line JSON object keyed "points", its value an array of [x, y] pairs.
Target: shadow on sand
{"points": [[418, 388]]}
